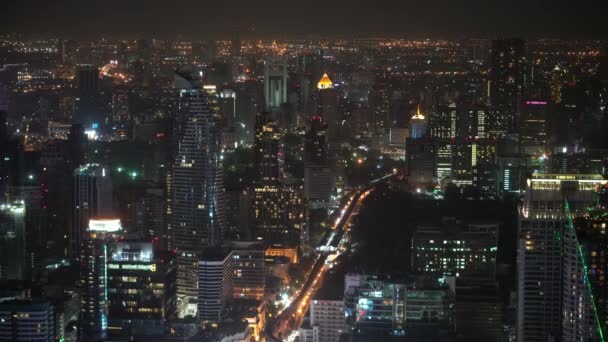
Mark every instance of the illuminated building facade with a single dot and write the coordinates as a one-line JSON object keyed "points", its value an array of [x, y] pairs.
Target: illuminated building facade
{"points": [[197, 205], [455, 248], [92, 197], [13, 253], [249, 264], [374, 305], [543, 245], [25, 320], [275, 83], [533, 127], [585, 293], [328, 317], [96, 253], [215, 285], [142, 288], [268, 162], [418, 125], [507, 74]]}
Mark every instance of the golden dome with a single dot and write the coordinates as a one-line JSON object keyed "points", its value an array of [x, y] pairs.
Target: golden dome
{"points": [[325, 83]]}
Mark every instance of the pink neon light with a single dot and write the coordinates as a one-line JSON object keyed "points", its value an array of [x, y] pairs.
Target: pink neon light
{"points": [[541, 103]]}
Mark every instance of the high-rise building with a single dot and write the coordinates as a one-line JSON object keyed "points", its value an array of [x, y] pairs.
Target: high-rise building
{"points": [[197, 205], [92, 197], [249, 267], [27, 320], [97, 247], [89, 107], [13, 253], [507, 75], [275, 83], [455, 248], [268, 162], [326, 98], [142, 288], [420, 152], [543, 224], [533, 127], [418, 125], [585, 294], [328, 316], [215, 284]]}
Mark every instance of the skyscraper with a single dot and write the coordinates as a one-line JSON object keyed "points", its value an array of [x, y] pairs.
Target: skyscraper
{"points": [[420, 152], [275, 83], [142, 288], [507, 75], [543, 247], [268, 180], [197, 204], [92, 197], [417, 125], [97, 248], [13, 260], [585, 294], [216, 288]]}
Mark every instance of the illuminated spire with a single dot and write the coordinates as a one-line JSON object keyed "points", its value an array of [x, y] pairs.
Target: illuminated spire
{"points": [[325, 83], [418, 116]]}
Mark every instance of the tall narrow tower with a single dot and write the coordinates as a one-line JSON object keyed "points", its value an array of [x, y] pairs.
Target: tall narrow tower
{"points": [[197, 203]]}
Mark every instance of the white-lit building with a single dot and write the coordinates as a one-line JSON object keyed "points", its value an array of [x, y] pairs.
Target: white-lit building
{"points": [[215, 284], [543, 247]]}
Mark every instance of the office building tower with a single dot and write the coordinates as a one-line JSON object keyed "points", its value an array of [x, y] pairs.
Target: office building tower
{"points": [[420, 152], [442, 122], [227, 109], [197, 204], [215, 285], [418, 125], [249, 265], [420, 159], [443, 160], [149, 215], [533, 127], [315, 142], [541, 248], [268, 163], [97, 247], [292, 210], [507, 75], [327, 315], [92, 197], [374, 305], [585, 294], [318, 185], [326, 98], [318, 176], [142, 288], [13, 253], [27, 320], [89, 107], [275, 83], [456, 248]]}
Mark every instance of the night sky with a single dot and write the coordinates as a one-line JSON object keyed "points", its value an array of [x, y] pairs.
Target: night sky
{"points": [[290, 19]]}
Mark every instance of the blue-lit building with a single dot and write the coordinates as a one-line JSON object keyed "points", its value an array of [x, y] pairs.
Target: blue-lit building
{"points": [[97, 249]]}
